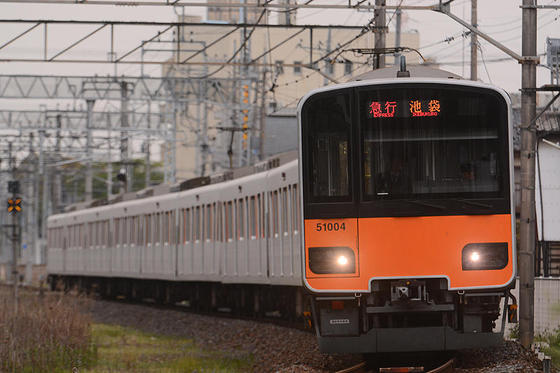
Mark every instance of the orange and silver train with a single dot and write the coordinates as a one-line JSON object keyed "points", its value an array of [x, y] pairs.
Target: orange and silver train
{"points": [[409, 227]]}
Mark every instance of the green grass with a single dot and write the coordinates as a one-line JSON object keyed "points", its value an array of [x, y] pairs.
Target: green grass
{"points": [[553, 340], [121, 349]]}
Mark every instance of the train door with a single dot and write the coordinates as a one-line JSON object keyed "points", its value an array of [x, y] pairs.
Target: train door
{"points": [[208, 260]]}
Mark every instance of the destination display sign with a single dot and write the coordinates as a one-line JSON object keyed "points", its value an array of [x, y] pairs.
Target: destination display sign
{"points": [[404, 108]]}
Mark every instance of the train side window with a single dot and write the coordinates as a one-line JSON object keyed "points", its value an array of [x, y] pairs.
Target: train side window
{"points": [[285, 228], [132, 230], [147, 227], [187, 225], [274, 212], [165, 227], [229, 220], [208, 222], [295, 208], [157, 227], [171, 227], [253, 212], [327, 135], [240, 219], [260, 214], [196, 224]]}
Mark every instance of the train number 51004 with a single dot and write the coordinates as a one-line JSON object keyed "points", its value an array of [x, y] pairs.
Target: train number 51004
{"points": [[330, 227]]}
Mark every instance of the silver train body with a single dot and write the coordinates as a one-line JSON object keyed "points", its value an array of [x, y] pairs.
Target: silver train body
{"points": [[242, 231]]}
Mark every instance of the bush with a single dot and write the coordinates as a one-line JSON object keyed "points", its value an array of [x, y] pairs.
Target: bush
{"points": [[48, 334]]}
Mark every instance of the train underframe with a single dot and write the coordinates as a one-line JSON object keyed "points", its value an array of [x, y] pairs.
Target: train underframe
{"points": [[411, 315], [259, 301]]}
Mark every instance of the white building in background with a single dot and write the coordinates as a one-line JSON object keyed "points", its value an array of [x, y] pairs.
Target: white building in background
{"points": [[220, 125]]}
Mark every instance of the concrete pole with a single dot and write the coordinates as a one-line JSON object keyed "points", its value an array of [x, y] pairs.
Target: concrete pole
{"points": [[398, 13], [30, 210], [110, 160], [262, 116], [124, 139], [57, 184], [147, 165], [14, 233], [379, 17], [474, 41], [45, 203], [528, 138], [89, 172]]}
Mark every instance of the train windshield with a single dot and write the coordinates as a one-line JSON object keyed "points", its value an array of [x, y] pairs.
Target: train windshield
{"points": [[423, 143]]}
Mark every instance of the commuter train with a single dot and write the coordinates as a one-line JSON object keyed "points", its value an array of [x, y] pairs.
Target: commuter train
{"points": [[396, 230], [408, 219]]}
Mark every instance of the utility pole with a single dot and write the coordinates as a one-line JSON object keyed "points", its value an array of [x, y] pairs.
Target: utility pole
{"points": [[398, 27], [57, 184], [379, 17], [474, 41], [124, 138], [45, 204], [147, 165], [14, 190], [528, 138], [262, 115], [89, 173], [110, 160]]}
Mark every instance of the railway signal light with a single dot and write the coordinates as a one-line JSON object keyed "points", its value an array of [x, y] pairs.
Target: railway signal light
{"points": [[14, 205]]}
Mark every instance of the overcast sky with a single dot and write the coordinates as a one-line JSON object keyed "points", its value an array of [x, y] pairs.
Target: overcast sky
{"points": [[501, 19]]}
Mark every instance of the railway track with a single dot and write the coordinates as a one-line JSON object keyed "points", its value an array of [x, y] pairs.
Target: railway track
{"points": [[362, 367]]}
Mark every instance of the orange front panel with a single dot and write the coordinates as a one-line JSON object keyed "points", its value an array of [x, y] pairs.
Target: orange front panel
{"points": [[418, 247], [332, 233]]}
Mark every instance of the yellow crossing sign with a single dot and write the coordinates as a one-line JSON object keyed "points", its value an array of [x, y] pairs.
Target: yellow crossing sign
{"points": [[14, 205]]}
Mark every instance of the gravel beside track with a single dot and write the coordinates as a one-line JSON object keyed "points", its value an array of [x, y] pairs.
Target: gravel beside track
{"points": [[281, 349]]}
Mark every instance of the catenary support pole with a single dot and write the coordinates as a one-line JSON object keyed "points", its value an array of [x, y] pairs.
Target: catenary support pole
{"points": [[89, 173], [474, 41], [379, 15], [14, 232], [528, 137], [398, 27]]}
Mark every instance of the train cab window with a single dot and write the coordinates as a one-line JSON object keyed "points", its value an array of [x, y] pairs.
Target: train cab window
{"points": [[327, 135], [432, 143]]}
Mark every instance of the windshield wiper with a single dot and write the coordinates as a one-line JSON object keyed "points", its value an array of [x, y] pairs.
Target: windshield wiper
{"points": [[479, 204], [440, 207]]}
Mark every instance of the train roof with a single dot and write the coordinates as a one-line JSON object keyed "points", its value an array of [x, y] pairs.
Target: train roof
{"points": [[416, 71]]}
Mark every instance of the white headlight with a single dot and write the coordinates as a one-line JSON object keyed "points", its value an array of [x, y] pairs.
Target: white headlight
{"points": [[342, 260], [475, 256]]}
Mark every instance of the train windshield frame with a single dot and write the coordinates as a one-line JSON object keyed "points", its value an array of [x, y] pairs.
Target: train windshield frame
{"points": [[411, 149], [430, 143]]}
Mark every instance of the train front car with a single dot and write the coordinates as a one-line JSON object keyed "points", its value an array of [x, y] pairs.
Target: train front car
{"points": [[409, 241]]}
